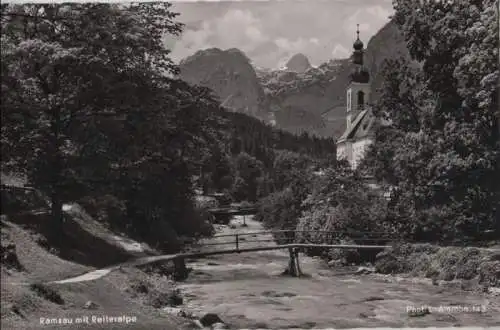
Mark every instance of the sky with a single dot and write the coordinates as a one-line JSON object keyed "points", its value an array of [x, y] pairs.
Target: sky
{"points": [[270, 32]]}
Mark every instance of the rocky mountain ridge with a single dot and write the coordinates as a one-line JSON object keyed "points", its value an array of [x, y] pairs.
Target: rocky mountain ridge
{"points": [[298, 63], [230, 75], [298, 99]]}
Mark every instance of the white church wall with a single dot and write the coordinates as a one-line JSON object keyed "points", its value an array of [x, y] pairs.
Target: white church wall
{"points": [[341, 151], [359, 149]]}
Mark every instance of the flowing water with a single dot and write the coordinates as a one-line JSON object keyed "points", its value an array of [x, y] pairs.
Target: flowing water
{"points": [[247, 290]]}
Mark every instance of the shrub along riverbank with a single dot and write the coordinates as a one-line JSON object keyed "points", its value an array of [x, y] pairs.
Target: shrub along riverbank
{"points": [[473, 266], [339, 201]]}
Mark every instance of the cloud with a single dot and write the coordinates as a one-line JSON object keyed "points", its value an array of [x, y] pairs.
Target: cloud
{"points": [[236, 28], [295, 46], [370, 20], [340, 51], [269, 32], [379, 11]]}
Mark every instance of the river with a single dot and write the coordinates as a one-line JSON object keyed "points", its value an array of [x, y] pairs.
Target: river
{"points": [[247, 290]]}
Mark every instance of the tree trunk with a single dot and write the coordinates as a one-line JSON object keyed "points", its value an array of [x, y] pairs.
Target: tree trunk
{"points": [[56, 211], [131, 209], [181, 272], [56, 174]]}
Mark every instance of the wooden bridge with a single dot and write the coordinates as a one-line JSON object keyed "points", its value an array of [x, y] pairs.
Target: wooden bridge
{"points": [[224, 214], [243, 242], [233, 211]]}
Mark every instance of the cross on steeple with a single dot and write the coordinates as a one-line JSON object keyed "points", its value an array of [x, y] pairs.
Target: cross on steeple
{"points": [[360, 73]]}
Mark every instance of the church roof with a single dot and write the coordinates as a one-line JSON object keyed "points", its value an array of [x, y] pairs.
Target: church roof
{"points": [[360, 128]]}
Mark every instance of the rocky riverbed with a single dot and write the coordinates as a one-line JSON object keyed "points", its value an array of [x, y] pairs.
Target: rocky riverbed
{"points": [[247, 290]]}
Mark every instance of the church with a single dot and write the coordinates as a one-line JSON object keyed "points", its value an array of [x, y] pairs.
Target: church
{"points": [[358, 134]]}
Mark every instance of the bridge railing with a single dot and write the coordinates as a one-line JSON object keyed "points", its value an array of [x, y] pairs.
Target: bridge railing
{"points": [[303, 231], [282, 237]]}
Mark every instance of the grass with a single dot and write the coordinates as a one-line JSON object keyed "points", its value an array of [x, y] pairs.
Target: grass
{"points": [[40, 265], [25, 296], [154, 290]]}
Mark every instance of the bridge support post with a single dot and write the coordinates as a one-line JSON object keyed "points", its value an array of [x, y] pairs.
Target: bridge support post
{"points": [[293, 263], [297, 264], [180, 270]]}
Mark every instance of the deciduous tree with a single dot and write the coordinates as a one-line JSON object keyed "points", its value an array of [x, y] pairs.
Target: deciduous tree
{"points": [[445, 165]]}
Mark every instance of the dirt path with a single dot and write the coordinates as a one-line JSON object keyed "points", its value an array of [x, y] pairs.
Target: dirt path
{"points": [[100, 273], [247, 290]]}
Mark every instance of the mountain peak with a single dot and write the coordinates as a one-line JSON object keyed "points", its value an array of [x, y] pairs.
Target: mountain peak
{"points": [[230, 75], [298, 63]]}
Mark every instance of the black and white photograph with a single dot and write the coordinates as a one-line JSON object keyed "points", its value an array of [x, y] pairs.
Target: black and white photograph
{"points": [[250, 164]]}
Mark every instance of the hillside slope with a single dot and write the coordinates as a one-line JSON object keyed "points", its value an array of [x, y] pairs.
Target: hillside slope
{"points": [[387, 44], [28, 263]]}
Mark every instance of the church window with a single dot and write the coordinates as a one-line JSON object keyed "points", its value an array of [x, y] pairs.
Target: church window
{"points": [[361, 100], [349, 100]]}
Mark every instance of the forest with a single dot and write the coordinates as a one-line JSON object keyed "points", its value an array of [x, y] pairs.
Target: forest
{"points": [[89, 120], [93, 112]]}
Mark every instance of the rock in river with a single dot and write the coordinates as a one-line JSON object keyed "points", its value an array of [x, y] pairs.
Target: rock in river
{"points": [[219, 326], [210, 319]]}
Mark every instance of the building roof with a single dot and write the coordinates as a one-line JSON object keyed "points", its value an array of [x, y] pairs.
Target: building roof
{"points": [[360, 128]]}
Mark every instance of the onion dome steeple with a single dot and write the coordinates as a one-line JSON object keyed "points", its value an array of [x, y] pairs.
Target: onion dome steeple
{"points": [[359, 74], [358, 44]]}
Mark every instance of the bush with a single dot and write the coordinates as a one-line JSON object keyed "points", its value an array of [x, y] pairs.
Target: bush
{"points": [[347, 257], [280, 211], [168, 233], [468, 270], [107, 208], [47, 293], [226, 199], [164, 238], [341, 204], [489, 273], [205, 202], [140, 286], [159, 299], [388, 263], [202, 219], [160, 268], [447, 263], [9, 254], [420, 263]]}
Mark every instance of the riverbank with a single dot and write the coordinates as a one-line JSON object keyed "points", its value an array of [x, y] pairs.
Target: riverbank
{"points": [[472, 268], [247, 290]]}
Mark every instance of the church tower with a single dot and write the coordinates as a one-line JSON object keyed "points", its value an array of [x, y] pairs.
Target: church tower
{"points": [[358, 90]]}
